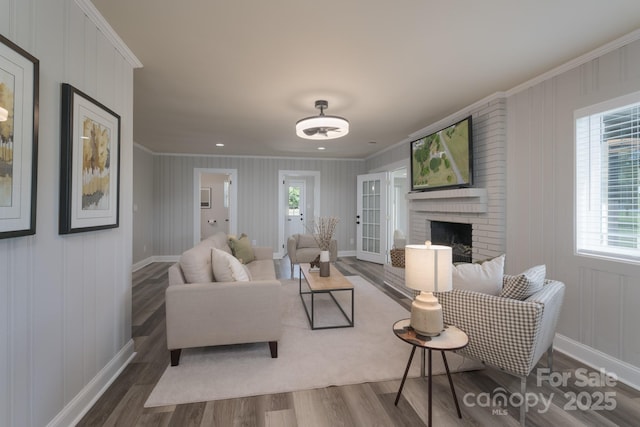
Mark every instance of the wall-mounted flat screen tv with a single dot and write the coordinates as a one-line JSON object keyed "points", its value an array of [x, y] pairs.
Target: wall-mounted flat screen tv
{"points": [[443, 159]]}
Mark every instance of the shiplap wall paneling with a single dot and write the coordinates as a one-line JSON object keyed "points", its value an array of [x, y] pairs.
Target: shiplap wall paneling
{"points": [[257, 196], [540, 205], [65, 300]]}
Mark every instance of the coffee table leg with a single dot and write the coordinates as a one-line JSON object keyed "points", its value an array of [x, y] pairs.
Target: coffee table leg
{"points": [[406, 371], [453, 390], [313, 322]]}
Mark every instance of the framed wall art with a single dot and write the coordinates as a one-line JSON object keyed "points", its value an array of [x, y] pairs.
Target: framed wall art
{"points": [[89, 164], [205, 198], [19, 80]]}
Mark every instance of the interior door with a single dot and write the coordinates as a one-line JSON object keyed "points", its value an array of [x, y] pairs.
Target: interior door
{"points": [[371, 218]]}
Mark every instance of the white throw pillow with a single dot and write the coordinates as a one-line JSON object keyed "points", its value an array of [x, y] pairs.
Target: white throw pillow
{"points": [[226, 268], [485, 277], [196, 264]]}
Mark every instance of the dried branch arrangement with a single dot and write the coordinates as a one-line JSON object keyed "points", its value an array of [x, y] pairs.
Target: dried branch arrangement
{"points": [[322, 230]]}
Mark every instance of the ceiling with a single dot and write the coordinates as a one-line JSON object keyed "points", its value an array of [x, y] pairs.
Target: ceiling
{"points": [[242, 72]]}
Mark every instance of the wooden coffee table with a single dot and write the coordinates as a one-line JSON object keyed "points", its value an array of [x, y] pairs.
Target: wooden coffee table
{"points": [[336, 282]]}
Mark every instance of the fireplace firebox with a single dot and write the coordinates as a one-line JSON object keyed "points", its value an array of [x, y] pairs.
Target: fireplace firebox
{"points": [[454, 234]]}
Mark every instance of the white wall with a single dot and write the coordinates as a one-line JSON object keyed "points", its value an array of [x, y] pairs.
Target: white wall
{"points": [[599, 315], [65, 301], [600, 310], [143, 213], [257, 188]]}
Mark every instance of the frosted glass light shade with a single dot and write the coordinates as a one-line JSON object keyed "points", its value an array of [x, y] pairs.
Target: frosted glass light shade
{"points": [[428, 267], [336, 127]]}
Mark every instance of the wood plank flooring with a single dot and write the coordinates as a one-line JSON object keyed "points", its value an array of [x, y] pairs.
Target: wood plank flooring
{"points": [[370, 404]]}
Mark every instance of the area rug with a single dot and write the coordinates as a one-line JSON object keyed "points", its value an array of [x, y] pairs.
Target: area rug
{"points": [[307, 359]]}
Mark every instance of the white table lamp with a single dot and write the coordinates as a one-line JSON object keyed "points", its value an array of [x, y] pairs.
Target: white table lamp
{"points": [[427, 269]]}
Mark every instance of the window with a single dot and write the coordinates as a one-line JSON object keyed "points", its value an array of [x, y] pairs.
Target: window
{"points": [[294, 200], [608, 179]]}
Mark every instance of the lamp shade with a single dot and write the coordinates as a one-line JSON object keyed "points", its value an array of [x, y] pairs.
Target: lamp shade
{"points": [[428, 267]]}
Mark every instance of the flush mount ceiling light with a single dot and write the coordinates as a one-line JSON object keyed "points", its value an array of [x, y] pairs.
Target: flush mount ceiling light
{"points": [[321, 126]]}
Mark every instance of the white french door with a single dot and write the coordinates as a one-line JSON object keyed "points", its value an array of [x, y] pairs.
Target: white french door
{"points": [[371, 220]]}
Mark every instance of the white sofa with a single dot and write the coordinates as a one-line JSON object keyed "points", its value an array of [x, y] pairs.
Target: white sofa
{"points": [[202, 312]]}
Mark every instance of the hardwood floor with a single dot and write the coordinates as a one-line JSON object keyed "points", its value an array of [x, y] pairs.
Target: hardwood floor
{"points": [[370, 404]]}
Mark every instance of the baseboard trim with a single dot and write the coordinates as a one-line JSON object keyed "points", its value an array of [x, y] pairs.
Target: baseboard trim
{"points": [[626, 373], [157, 258], [141, 264], [83, 401], [346, 253]]}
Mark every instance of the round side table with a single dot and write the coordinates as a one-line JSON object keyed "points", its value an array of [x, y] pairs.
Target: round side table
{"points": [[450, 339]]}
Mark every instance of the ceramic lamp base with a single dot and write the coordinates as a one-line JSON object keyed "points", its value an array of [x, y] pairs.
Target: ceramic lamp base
{"points": [[426, 315]]}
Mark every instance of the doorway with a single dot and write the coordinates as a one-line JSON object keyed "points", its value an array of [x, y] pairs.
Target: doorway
{"points": [[215, 202], [299, 203], [382, 213], [398, 208]]}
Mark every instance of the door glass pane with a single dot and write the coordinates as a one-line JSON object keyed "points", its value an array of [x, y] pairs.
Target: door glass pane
{"points": [[371, 216]]}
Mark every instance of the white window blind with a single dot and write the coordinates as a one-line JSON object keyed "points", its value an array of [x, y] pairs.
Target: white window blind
{"points": [[608, 179]]}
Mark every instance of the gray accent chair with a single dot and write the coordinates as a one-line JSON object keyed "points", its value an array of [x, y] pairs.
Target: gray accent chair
{"points": [[505, 333], [303, 248]]}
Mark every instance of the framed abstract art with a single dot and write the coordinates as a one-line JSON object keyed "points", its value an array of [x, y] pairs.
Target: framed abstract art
{"points": [[19, 80], [89, 164]]}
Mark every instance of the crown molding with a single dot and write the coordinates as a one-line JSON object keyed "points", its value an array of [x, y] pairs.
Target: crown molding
{"points": [[442, 123], [94, 16], [581, 60]]}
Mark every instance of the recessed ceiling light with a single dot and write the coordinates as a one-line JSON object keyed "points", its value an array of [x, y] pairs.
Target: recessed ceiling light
{"points": [[321, 148], [372, 142], [219, 144]]}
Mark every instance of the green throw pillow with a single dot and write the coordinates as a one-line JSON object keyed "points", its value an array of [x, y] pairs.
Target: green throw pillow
{"points": [[242, 249]]}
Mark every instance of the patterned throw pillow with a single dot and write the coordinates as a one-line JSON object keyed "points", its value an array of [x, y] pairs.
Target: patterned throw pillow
{"points": [[526, 284], [241, 248], [226, 268]]}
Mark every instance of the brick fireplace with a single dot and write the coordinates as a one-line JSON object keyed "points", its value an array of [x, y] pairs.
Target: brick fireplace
{"points": [[481, 207]]}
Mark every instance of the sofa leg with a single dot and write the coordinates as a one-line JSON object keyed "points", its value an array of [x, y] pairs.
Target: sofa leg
{"points": [[292, 269], [175, 357], [273, 347], [550, 358]]}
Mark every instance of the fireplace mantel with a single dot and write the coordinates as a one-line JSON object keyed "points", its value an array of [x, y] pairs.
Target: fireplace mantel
{"points": [[459, 200]]}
